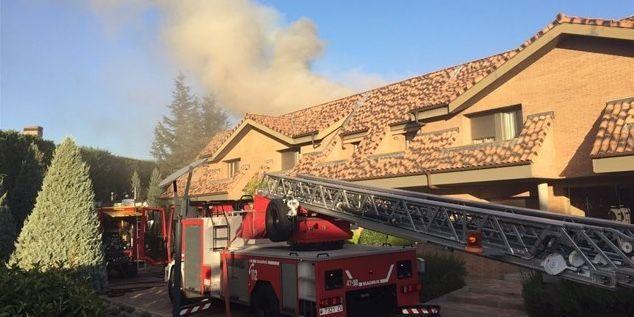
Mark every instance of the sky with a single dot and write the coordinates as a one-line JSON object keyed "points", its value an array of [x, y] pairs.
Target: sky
{"points": [[71, 69]]}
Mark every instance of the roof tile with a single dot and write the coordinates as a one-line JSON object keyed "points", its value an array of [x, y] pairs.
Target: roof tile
{"points": [[615, 135]]}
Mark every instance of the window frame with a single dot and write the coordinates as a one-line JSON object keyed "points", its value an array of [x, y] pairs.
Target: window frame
{"points": [[500, 119], [233, 167]]}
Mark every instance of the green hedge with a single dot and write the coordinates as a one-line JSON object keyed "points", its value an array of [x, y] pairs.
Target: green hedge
{"points": [[566, 298], [376, 238], [444, 273], [50, 293]]}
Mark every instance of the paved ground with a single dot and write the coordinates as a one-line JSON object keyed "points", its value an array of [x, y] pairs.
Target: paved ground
{"points": [[146, 295], [485, 297]]}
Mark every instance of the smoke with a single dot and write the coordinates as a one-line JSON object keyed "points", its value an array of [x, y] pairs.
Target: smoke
{"points": [[242, 52]]}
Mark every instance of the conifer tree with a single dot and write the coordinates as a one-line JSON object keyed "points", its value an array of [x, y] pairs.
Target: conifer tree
{"points": [[63, 229], [7, 227], [153, 189], [135, 183], [174, 135], [190, 125], [213, 119]]}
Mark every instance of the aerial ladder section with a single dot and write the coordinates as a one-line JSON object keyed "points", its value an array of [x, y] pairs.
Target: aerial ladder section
{"points": [[587, 250]]}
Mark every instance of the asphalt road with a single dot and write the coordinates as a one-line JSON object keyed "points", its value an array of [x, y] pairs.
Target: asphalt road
{"points": [[148, 293]]}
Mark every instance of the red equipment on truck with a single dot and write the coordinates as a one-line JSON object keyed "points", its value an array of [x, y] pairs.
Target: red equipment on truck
{"points": [[286, 255], [133, 236]]}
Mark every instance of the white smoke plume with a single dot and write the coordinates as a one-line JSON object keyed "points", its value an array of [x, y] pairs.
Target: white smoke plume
{"points": [[241, 51]]}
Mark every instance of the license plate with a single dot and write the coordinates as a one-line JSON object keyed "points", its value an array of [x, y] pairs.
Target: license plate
{"points": [[331, 310]]}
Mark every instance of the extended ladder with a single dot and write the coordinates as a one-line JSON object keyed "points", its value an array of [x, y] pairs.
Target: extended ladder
{"points": [[587, 250]]}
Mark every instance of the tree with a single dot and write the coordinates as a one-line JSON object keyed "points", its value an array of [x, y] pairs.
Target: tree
{"points": [[174, 136], [63, 229], [27, 184], [153, 190], [213, 120], [7, 227], [135, 184], [180, 136]]}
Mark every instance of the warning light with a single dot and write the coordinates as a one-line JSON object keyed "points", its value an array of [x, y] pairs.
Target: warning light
{"points": [[474, 242]]}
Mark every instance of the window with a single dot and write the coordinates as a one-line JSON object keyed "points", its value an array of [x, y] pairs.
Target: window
{"points": [[233, 167], [289, 159], [496, 126]]}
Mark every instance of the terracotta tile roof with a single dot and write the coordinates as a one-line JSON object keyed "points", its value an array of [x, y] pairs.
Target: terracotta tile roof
{"points": [[215, 143], [627, 22], [309, 120], [616, 129], [207, 179], [433, 152], [392, 103]]}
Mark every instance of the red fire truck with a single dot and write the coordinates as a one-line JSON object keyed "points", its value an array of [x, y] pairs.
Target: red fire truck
{"points": [[284, 253], [134, 236]]}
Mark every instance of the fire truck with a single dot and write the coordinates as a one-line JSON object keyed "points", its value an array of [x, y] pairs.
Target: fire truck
{"points": [[284, 253], [134, 236]]}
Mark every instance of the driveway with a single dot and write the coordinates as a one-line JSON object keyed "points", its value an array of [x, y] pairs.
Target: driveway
{"points": [[146, 295]]}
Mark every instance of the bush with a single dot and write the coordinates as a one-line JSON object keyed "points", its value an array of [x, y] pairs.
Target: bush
{"points": [[50, 293], [376, 238], [566, 298], [63, 228], [444, 274]]}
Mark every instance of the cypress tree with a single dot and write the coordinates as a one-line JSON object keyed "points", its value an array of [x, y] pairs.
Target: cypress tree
{"points": [[135, 183], [63, 229], [154, 191], [7, 227]]}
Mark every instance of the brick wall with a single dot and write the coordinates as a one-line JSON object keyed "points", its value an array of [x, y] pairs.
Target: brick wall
{"points": [[477, 266]]}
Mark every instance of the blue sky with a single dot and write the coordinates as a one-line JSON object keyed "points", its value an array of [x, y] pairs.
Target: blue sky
{"points": [[64, 68]]}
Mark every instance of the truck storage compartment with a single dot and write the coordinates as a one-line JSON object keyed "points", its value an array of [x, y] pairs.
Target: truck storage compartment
{"points": [[376, 301]]}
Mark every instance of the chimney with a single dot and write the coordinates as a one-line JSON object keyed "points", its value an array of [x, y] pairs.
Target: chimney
{"points": [[35, 131]]}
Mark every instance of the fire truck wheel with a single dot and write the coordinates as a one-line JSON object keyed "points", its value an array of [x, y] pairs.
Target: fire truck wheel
{"points": [[264, 302], [278, 226]]}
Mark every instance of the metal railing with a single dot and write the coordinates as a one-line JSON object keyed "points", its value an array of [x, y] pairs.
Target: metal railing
{"points": [[587, 250]]}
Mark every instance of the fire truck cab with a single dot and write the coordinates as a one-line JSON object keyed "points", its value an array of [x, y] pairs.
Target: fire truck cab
{"points": [[133, 236]]}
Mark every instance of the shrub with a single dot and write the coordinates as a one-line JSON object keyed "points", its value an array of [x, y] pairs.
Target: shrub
{"points": [[566, 298], [63, 228], [444, 274], [376, 238], [55, 292], [7, 228]]}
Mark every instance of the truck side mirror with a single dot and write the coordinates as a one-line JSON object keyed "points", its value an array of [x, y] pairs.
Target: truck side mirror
{"points": [[421, 265]]}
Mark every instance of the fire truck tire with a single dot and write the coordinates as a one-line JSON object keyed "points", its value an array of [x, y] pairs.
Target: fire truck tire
{"points": [[278, 226], [264, 302]]}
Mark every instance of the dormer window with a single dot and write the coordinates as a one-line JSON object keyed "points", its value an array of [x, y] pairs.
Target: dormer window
{"points": [[289, 158], [496, 126], [233, 167]]}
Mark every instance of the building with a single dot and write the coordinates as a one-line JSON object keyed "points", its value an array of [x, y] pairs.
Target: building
{"points": [[34, 130], [548, 125]]}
